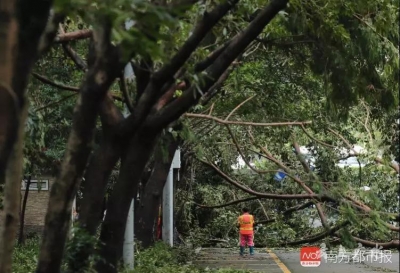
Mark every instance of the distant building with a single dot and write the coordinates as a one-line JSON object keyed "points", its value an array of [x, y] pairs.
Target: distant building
{"points": [[37, 201]]}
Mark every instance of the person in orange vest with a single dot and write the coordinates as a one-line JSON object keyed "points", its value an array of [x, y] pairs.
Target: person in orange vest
{"points": [[246, 223]]}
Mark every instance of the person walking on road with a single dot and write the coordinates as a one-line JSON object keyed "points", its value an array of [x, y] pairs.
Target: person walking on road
{"points": [[246, 223]]}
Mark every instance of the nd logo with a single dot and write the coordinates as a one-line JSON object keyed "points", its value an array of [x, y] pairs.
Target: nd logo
{"points": [[310, 256]]}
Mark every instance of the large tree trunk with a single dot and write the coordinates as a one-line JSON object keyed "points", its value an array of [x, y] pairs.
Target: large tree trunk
{"points": [[95, 185], [21, 237], [146, 213], [103, 71], [10, 117], [12, 193], [113, 228]]}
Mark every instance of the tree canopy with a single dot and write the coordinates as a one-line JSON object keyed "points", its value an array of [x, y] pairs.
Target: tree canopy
{"points": [[221, 79]]}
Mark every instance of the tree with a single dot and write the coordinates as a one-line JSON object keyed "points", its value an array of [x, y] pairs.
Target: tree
{"points": [[173, 73]]}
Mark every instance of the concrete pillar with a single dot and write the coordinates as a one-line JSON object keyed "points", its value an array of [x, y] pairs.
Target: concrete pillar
{"points": [[129, 243], [168, 210]]}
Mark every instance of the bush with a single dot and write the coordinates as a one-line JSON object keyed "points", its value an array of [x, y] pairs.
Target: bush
{"points": [[25, 256]]}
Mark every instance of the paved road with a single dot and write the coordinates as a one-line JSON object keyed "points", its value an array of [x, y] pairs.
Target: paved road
{"points": [[283, 261]]}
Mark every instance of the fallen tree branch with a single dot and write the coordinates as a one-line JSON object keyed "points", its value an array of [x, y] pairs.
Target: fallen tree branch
{"points": [[393, 165], [307, 169], [287, 212], [386, 245], [368, 210], [267, 195], [318, 236]]}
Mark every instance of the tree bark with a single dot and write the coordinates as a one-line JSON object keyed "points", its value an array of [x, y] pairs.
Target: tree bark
{"points": [[21, 237], [147, 213], [113, 227], [9, 124], [239, 43], [12, 193], [96, 180], [98, 80]]}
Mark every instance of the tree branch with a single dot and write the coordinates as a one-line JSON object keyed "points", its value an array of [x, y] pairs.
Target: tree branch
{"points": [[152, 92], [306, 167], [266, 195], [316, 140], [237, 107], [244, 123], [55, 84], [204, 64], [79, 62], [50, 32], [393, 165], [63, 86], [300, 182], [124, 90], [239, 43], [74, 35], [318, 236]]}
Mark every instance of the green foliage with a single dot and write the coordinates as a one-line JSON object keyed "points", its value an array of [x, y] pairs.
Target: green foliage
{"points": [[25, 256], [80, 240], [161, 258]]}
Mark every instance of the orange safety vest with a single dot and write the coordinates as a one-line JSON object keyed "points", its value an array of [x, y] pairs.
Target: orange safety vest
{"points": [[246, 222]]}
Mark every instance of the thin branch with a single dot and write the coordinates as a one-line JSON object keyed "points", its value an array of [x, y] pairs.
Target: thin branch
{"points": [[211, 108], [245, 123], [242, 154], [376, 32], [124, 90], [55, 84], [63, 86], [313, 138], [55, 102], [237, 107]]}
